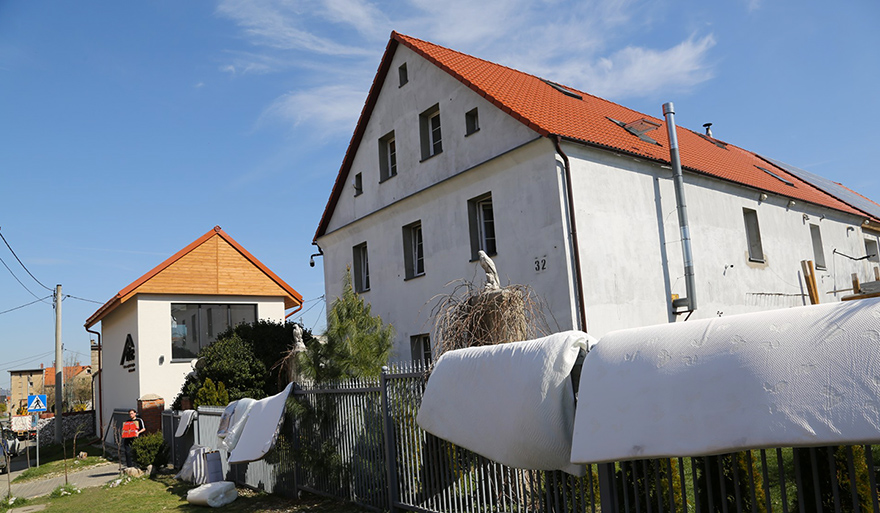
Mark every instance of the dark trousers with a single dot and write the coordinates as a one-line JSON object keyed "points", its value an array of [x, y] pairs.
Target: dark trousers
{"points": [[126, 450]]}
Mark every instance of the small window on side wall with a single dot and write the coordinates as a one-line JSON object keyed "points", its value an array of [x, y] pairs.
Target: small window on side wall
{"points": [[429, 131], [753, 235], [420, 345], [402, 75], [872, 251], [481, 221], [413, 250], [387, 156], [818, 252], [471, 122], [358, 184], [361, 272]]}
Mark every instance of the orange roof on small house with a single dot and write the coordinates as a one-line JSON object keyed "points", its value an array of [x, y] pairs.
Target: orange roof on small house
{"points": [[69, 372], [214, 264], [557, 111]]}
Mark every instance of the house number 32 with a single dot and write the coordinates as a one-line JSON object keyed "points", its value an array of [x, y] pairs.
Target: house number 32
{"points": [[540, 264]]}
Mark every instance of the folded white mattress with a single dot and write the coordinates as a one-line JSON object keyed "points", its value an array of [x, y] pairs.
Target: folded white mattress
{"points": [[260, 429], [795, 377], [512, 403], [215, 495]]}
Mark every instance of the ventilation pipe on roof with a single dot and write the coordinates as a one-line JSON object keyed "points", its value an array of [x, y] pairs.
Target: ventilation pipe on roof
{"points": [[690, 302], [708, 127]]}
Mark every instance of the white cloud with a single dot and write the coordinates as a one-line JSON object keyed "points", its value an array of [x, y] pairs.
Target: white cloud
{"points": [[328, 111]]}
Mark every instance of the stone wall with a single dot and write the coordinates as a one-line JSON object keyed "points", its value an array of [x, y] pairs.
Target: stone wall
{"points": [[71, 423]]}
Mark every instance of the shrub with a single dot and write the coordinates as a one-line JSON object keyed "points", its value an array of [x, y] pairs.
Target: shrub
{"points": [[149, 450], [209, 395]]}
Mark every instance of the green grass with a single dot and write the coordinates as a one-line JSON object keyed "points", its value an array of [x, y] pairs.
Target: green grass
{"points": [[52, 461], [165, 493]]}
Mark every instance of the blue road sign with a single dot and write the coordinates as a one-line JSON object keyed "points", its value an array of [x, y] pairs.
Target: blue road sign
{"points": [[36, 403]]}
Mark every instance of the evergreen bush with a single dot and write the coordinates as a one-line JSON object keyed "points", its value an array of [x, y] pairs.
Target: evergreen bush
{"points": [[150, 449]]}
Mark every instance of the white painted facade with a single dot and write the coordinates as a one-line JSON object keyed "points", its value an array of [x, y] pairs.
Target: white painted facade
{"points": [[625, 214], [147, 318]]}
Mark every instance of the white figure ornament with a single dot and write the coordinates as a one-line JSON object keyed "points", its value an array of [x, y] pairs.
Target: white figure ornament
{"points": [[492, 283]]}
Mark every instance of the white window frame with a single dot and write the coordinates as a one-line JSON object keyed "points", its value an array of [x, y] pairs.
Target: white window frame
{"points": [[872, 248], [818, 251], [471, 122], [387, 157], [413, 250], [431, 133], [420, 348], [753, 235], [482, 227], [361, 268]]}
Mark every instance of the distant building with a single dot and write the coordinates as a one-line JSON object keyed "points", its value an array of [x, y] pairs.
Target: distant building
{"points": [[153, 329], [23, 383], [572, 195]]}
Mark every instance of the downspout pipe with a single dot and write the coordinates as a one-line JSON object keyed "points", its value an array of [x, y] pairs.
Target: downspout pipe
{"points": [[579, 294], [690, 302], [100, 375]]}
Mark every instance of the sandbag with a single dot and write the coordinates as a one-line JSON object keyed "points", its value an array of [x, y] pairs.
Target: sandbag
{"points": [[805, 376], [215, 495], [512, 403]]}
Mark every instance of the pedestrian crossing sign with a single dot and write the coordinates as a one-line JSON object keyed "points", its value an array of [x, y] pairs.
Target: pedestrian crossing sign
{"points": [[36, 403]]}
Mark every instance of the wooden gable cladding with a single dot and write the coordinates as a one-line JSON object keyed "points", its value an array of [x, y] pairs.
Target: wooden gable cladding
{"points": [[214, 264]]}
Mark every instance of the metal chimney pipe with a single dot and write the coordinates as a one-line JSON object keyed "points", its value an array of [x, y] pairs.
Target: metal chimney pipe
{"points": [[691, 300]]}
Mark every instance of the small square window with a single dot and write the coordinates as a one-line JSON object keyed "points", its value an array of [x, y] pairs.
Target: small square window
{"points": [[358, 184], [429, 128], [387, 156], [481, 221], [471, 122], [402, 75], [871, 250], [818, 252], [413, 250], [361, 271], [420, 345], [753, 235]]}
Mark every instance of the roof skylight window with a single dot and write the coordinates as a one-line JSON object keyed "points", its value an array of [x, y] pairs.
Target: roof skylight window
{"points": [[716, 142], [639, 128], [774, 175], [563, 90]]}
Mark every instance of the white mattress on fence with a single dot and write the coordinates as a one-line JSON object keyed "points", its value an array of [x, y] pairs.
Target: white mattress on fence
{"points": [[260, 430], [512, 403], [795, 377]]}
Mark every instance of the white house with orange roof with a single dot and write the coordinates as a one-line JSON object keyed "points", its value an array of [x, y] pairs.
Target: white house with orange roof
{"points": [[570, 194], [153, 329]]}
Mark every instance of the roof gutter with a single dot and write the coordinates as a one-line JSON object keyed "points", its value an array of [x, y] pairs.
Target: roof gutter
{"points": [[100, 376], [579, 293], [690, 302]]}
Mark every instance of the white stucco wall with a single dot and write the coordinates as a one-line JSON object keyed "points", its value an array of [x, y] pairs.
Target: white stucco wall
{"points": [[147, 317]]}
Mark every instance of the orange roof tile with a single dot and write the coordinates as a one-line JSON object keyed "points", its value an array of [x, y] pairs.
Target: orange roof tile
{"points": [[543, 108], [292, 298], [68, 372]]}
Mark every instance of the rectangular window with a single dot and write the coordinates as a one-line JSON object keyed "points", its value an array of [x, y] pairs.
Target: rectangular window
{"points": [[413, 250], [753, 235], [358, 184], [196, 326], [471, 122], [361, 277], [420, 346], [871, 250], [429, 129], [818, 253], [481, 221], [387, 157], [401, 75]]}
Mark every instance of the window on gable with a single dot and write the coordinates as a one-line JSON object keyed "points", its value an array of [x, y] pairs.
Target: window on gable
{"points": [[361, 272], [481, 221], [471, 122], [387, 156], [420, 345], [402, 75], [818, 252], [753, 235], [429, 130], [358, 184], [413, 250], [872, 251], [196, 326]]}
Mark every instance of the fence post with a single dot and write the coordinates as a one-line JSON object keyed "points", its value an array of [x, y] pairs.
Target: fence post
{"points": [[390, 452], [606, 487]]}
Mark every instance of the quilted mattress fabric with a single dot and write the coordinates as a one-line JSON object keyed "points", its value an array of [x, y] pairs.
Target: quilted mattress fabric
{"points": [[794, 377], [260, 429], [512, 403]]}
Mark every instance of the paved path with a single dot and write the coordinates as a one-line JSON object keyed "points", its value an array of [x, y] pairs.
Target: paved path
{"points": [[94, 476]]}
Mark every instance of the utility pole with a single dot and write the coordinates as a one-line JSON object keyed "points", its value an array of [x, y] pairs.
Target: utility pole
{"points": [[59, 366]]}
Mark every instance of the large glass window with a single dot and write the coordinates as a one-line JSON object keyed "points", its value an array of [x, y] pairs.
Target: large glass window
{"points": [[195, 326]]}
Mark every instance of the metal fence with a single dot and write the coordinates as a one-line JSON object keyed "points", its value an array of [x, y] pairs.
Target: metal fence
{"points": [[359, 441]]}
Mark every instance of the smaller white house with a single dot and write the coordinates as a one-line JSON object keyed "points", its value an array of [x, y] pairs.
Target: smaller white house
{"points": [[153, 329]]}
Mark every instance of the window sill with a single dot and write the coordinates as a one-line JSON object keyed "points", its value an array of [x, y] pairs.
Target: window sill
{"points": [[477, 259], [471, 133], [383, 180], [431, 156], [758, 260], [413, 277], [362, 291]]}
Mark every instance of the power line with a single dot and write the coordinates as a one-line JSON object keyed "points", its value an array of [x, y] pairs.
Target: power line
{"points": [[22, 263], [82, 299], [22, 306], [19, 281]]}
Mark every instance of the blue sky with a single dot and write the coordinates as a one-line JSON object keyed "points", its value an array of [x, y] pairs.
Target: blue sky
{"points": [[129, 129]]}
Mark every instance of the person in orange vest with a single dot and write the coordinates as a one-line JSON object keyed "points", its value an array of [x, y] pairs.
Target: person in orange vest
{"points": [[131, 429]]}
